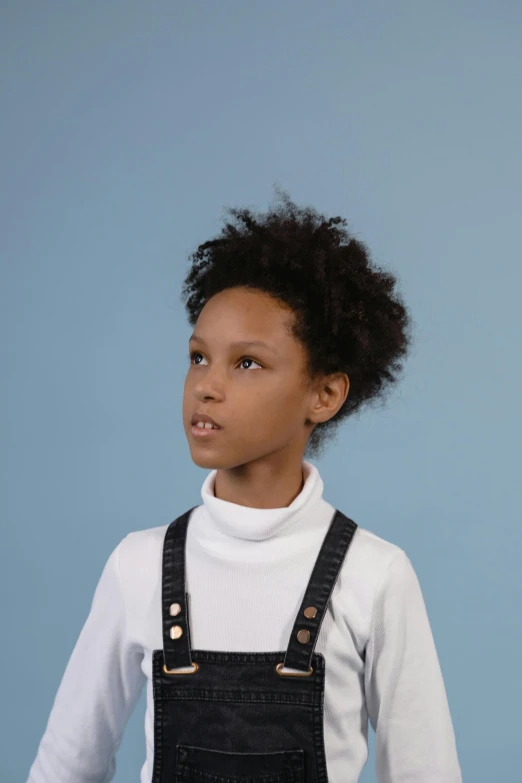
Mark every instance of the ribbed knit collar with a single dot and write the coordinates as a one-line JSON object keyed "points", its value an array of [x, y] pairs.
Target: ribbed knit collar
{"points": [[257, 524], [240, 534]]}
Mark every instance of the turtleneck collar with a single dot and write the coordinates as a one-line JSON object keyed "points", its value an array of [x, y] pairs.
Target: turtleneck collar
{"points": [[230, 520]]}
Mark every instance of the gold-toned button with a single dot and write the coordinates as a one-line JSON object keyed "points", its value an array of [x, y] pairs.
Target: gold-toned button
{"points": [[176, 631], [303, 636], [175, 609], [310, 612]]}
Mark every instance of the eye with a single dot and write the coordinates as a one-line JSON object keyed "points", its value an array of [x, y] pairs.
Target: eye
{"points": [[248, 359], [243, 359], [194, 353]]}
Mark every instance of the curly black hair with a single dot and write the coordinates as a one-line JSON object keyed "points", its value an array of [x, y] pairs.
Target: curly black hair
{"points": [[347, 314]]}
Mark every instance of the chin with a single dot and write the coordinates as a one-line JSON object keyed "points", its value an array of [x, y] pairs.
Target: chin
{"points": [[216, 461], [207, 461]]}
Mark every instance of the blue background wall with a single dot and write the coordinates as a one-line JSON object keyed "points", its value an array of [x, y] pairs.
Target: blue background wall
{"points": [[126, 128]]}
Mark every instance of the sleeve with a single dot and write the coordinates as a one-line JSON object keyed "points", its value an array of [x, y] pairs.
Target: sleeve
{"points": [[98, 691], [405, 694]]}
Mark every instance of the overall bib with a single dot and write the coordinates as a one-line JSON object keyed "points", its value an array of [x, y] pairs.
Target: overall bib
{"points": [[235, 717]]}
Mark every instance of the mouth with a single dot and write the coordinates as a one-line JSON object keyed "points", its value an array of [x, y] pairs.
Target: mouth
{"points": [[203, 426], [200, 431]]}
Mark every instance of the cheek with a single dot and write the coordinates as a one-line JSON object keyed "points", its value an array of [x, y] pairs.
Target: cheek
{"points": [[187, 400], [278, 410]]}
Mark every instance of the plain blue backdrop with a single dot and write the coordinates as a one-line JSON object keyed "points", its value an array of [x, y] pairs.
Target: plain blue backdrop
{"points": [[126, 128]]}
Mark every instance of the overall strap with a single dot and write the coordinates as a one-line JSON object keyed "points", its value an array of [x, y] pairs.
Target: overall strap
{"points": [[174, 598], [175, 611], [322, 581]]}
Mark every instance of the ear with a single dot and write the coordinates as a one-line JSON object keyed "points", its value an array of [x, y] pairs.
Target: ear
{"points": [[331, 392]]}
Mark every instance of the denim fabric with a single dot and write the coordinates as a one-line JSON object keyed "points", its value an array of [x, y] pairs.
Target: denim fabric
{"points": [[236, 719]]}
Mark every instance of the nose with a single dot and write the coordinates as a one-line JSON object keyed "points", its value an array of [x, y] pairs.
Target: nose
{"points": [[210, 386]]}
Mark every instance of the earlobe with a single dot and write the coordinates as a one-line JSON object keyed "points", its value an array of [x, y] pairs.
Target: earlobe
{"points": [[321, 413]]}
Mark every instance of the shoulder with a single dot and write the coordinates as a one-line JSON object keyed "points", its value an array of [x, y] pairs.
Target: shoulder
{"points": [[387, 566], [140, 558], [140, 543], [373, 565], [140, 554], [372, 556]]}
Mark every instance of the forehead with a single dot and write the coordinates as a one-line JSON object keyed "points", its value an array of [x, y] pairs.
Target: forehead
{"points": [[245, 314]]}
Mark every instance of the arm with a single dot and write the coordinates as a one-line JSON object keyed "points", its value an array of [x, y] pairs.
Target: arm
{"points": [[98, 691], [405, 693]]}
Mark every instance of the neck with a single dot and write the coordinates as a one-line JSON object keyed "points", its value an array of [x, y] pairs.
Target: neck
{"points": [[246, 485]]}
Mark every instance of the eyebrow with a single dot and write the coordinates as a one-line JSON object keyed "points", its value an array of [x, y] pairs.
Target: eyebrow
{"points": [[238, 343]]}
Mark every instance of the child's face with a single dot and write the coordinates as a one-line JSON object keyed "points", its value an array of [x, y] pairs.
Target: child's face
{"points": [[258, 395]]}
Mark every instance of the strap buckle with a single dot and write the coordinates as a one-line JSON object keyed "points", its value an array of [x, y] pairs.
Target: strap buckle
{"points": [[195, 667], [292, 674]]}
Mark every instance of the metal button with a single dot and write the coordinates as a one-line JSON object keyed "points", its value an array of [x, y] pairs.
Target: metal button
{"points": [[310, 612], [176, 631], [175, 609], [303, 636]]}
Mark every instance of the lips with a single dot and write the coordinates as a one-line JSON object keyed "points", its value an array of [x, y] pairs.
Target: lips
{"points": [[207, 431], [204, 418]]}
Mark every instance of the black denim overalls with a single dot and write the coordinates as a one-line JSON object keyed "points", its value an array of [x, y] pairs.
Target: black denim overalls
{"points": [[234, 717]]}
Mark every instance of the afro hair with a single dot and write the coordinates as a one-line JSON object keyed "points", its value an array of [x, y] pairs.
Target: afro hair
{"points": [[346, 312]]}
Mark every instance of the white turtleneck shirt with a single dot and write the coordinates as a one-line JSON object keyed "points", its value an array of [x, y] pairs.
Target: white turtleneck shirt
{"points": [[246, 573]]}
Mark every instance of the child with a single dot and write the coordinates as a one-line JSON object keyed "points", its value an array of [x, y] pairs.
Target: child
{"points": [[267, 625]]}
